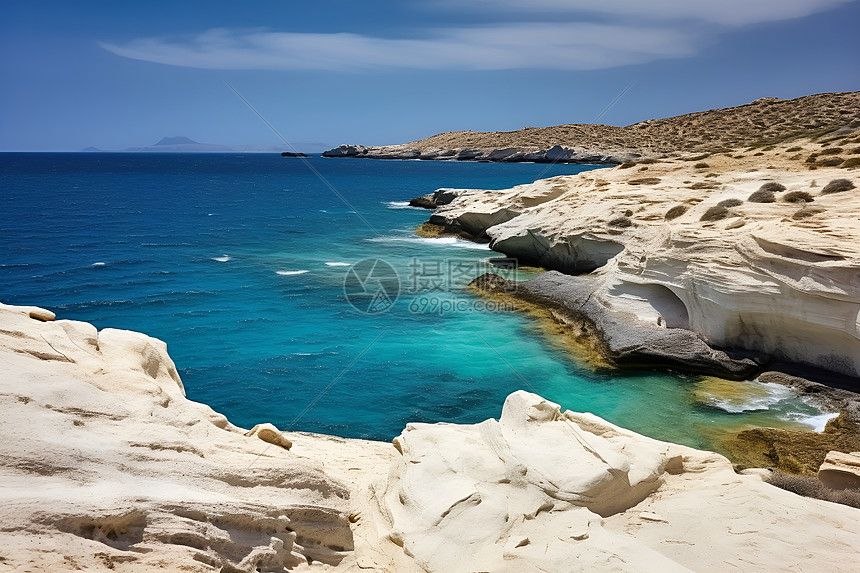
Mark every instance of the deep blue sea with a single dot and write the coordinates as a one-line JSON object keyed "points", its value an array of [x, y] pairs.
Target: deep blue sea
{"points": [[241, 264]]}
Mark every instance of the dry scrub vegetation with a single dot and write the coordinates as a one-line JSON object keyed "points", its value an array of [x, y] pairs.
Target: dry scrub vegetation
{"points": [[756, 126]]}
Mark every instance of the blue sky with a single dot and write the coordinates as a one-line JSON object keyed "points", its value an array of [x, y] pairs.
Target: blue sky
{"points": [[116, 74]]}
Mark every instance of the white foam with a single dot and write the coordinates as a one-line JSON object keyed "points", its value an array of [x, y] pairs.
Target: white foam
{"points": [[435, 241], [99, 264], [399, 205], [818, 421], [222, 258], [291, 273], [336, 264], [766, 394]]}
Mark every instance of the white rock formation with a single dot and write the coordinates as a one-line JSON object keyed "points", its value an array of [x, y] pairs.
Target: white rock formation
{"points": [[107, 466], [779, 278], [840, 470], [546, 490]]}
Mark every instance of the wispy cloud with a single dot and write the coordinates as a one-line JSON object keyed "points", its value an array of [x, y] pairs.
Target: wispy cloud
{"points": [[722, 12], [571, 46], [631, 32]]}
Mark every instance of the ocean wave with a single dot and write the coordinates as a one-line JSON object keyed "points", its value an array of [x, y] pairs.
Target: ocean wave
{"points": [[817, 421], [98, 264], [291, 273], [222, 258], [337, 264], [399, 205], [435, 241]]}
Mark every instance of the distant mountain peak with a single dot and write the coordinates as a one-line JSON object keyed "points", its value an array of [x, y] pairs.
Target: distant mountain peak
{"points": [[178, 140]]}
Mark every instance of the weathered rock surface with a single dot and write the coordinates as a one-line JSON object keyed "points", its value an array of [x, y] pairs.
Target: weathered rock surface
{"points": [[628, 341], [107, 466], [840, 470], [546, 490], [777, 279]]}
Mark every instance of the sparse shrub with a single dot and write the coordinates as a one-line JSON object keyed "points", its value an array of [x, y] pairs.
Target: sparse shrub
{"points": [[757, 154], [811, 486], [644, 181], [675, 212], [831, 151], [812, 158], [727, 203], [715, 213], [701, 165], [798, 197], [621, 222], [772, 186], [805, 213], [837, 186], [628, 213], [648, 161], [703, 185], [853, 162], [830, 162], [627, 165], [793, 149]]}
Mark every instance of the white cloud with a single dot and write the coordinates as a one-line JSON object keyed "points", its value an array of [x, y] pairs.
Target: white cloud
{"points": [[723, 12], [569, 46], [634, 31]]}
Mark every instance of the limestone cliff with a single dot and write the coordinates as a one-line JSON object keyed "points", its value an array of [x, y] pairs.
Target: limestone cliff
{"points": [[747, 249], [107, 466]]}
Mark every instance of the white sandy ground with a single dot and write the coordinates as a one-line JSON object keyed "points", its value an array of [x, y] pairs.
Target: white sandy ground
{"points": [[763, 278], [107, 466]]}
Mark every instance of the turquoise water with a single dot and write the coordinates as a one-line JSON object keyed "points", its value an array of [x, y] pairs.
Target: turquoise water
{"points": [[238, 262]]}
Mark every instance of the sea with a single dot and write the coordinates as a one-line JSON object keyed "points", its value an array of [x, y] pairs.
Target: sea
{"points": [[296, 292]]}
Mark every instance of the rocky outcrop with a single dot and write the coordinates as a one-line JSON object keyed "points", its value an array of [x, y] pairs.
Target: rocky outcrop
{"points": [[546, 490], [107, 466], [840, 470], [554, 154], [675, 247], [627, 341]]}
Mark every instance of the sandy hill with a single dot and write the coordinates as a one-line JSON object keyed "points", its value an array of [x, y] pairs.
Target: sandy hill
{"points": [[766, 120], [763, 122]]}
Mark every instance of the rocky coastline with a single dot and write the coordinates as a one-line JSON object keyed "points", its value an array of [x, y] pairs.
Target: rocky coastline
{"points": [[723, 256], [723, 264], [763, 122], [554, 154], [107, 466]]}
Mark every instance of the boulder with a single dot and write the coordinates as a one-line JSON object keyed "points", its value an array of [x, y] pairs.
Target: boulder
{"points": [[840, 470], [427, 201], [346, 151]]}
